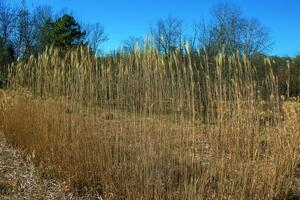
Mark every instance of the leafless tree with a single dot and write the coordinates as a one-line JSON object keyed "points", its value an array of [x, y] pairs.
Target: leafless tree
{"points": [[96, 36], [7, 21], [39, 17], [25, 29], [230, 31], [255, 38], [192, 38], [168, 34], [132, 43]]}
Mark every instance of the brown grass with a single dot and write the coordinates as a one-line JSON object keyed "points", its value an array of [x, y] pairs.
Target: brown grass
{"points": [[141, 126], [19, 178]]}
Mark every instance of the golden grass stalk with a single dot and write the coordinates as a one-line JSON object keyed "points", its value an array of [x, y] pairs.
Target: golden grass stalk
{"points": [[148, 126]]}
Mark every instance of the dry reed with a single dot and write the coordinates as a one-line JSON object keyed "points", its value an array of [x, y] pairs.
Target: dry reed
{"points": [[148, 126]]}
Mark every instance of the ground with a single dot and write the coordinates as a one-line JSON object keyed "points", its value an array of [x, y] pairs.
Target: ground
{"points": [[19, 179]]}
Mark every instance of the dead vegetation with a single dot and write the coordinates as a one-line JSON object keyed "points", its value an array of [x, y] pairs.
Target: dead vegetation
{"points": [[141, 126], [20, 180]]}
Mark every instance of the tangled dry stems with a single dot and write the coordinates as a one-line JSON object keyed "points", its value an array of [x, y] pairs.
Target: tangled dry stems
{"points": [[141, 126]]}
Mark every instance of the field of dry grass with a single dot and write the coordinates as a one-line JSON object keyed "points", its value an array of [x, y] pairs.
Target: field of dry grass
{"points": [[141, 126]]}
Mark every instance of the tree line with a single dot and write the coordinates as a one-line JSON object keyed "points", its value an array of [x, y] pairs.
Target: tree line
{"points": [[25, 32]]}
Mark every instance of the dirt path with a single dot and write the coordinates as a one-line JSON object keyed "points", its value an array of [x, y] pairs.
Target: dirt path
{"points": [[19, 180]]}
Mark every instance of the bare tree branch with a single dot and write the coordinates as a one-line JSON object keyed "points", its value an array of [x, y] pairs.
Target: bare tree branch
{"points": [[229, 31], [168, 34], [96, 36]]}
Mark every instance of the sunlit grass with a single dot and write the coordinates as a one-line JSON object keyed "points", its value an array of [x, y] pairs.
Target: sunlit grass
{"points": [[148, 126]]}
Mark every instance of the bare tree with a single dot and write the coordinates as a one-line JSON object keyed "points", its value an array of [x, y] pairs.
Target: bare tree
{"points": [[40, 15], [96, 36], [230, 31], [7, 26], [168, 34], [132, 43], [7, 21], [24, 31], [255, 38], [192, 39]]}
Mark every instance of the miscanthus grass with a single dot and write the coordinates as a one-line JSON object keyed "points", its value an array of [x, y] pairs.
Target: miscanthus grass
{"points": [[142, 125]]}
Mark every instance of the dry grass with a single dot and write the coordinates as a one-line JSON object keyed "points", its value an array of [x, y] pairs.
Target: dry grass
{"points": [[141, 126], [19, 178]]}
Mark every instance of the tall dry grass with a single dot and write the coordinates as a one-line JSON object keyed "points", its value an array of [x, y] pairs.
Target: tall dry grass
{"points": [[148, 126]]}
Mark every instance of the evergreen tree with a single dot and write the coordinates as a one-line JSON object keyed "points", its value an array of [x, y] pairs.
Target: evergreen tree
{"points": [[66, 32]]}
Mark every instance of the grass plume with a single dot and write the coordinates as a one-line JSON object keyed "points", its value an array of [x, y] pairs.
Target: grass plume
{"points": [[148, 126]]}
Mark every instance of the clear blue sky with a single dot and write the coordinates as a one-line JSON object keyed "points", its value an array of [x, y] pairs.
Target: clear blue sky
{"points": [[124, 18]]}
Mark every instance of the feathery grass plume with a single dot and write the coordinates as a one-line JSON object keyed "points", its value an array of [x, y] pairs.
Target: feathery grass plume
{"points": [[143, 125]]}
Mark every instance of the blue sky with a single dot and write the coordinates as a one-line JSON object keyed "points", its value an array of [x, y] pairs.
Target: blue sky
{"points": [[124, 18]]}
